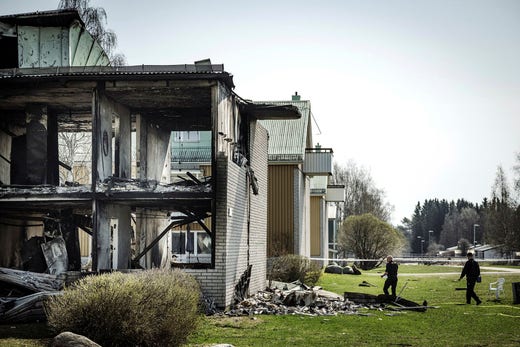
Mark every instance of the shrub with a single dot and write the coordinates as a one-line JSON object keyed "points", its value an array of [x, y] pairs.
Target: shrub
{"points": [[292, 267], [148, 308]]}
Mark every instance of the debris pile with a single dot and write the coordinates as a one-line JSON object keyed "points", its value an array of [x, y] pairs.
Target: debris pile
{"points": [[298, 299], [294, 298]]}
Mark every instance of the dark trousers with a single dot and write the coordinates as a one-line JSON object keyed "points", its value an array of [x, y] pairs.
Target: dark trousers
{"points": [[470, 291], [390, 282]]}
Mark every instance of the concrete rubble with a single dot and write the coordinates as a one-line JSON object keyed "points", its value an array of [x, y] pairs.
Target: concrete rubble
{"points": [[298, 299]]}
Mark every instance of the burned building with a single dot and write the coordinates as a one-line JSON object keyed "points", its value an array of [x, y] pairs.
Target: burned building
{"points": [[131, 196]]}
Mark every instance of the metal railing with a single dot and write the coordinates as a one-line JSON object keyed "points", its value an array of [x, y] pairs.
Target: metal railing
{"points": [[191, 155]]}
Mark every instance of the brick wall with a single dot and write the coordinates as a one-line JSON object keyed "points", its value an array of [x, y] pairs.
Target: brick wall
{"points": [[212, 281], [235, 245], [258, 234]]}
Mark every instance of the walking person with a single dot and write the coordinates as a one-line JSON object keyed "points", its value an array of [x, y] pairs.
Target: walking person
{"points": [[391, 273], [472, 271]]}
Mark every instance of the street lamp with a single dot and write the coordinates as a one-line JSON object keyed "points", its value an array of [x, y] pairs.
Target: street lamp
{"points": [[474, 231], [422, 242], [429, 237]]}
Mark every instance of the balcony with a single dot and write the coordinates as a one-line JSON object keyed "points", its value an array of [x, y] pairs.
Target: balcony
{"points": [[190, 157], [335, 193], [318, 162]]}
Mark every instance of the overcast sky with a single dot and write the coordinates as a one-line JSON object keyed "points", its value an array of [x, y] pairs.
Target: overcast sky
{"points": [[423, 94]]}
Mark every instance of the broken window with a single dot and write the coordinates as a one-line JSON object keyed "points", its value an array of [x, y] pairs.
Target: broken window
{"points": [[190, 246]]}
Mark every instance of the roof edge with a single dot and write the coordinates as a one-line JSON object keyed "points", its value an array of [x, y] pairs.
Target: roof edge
{"points": [[58, 17], [215, 71]]}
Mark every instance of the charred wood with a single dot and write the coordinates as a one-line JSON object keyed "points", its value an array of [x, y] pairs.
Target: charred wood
{"points": [[29, 308], [30, 282]]}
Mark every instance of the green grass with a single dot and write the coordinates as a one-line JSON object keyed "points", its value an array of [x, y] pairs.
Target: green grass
{"points": [[27, 335], [451, 324]]}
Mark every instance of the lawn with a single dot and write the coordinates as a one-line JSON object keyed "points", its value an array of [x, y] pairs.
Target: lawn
{"points": [[450, 324]]}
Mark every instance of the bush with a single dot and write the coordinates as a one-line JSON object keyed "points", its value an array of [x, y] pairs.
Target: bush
{"points": [[292, 267], [148, 308]]}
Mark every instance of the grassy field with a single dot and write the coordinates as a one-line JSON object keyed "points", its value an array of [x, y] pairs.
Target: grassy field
{"points": [[451, 324]]}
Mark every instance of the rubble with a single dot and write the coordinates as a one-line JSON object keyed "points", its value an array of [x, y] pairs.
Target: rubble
{"points": [[298, 299], [294, 298]]}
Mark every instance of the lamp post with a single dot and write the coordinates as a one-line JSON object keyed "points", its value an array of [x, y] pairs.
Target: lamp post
{"points": [[429, 237], [474, 233], [422, 242]]}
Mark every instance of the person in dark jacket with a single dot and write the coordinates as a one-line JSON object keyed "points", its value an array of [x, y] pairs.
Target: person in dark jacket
{"points": [[391, 273], [472, 271]]}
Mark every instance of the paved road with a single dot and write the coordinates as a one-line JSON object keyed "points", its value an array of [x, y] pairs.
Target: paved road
{"points": [[485, 270]]}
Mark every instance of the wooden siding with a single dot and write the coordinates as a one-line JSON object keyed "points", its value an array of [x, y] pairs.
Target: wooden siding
{"points": [[195, 226], [205, 170], [280, 214], [315, 226], [85, 241]]}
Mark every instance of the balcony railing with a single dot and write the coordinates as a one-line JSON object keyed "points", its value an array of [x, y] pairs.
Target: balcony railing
{"points": [[318, 162], [335, 193], [191, 155]]}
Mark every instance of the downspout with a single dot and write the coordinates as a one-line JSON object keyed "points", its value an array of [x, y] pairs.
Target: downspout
{"points": [[248, 188]]}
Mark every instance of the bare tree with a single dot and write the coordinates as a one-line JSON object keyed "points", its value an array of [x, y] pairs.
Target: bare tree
{"points": [[75, 151], [361, 194], [516, 170], [95, 19], [501, 188], [503, 215]]}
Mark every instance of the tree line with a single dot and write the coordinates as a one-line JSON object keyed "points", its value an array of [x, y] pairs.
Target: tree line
{"points": [[435, 224], [438, 224]]}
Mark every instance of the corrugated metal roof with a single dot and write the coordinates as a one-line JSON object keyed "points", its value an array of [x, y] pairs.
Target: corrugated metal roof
{"points": [[102, 72], [484, 248], [288, 138]]}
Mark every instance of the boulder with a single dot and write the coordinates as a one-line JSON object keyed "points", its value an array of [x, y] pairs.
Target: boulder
{"points": [[68, 339]]}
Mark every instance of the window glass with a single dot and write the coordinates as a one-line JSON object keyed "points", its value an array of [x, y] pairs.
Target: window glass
{"points": [[178, 243], [186, 136], [203, 243]]}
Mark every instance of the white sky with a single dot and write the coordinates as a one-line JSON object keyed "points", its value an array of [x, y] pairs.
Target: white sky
{"points": [[424, 94]]}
